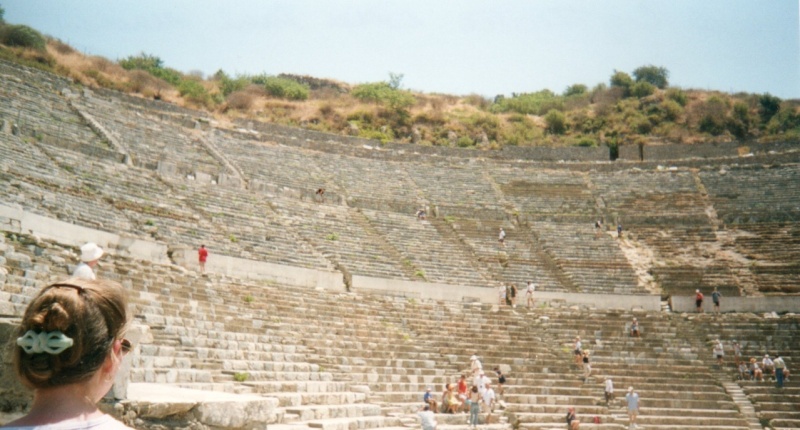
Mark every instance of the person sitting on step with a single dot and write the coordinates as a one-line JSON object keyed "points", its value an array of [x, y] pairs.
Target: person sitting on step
{"points": [[430, 400], [635, 328]]}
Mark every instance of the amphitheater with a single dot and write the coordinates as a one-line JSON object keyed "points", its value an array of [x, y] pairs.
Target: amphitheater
{"points": [[336, 313]]}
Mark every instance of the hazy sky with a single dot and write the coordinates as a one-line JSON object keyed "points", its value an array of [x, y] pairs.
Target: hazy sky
{"points": [[459, 47]]}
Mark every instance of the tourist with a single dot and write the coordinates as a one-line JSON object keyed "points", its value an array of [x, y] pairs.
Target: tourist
{"points": [[572, 420], [698, 300], [718, 352], [598, 228], [587, 366], [633, 406], [69, 346], [635, 328], [715, 295], [475, 366], [453, 401], [427, 418], [619, 231], [578, 352], [90, 257], [744, 373], [756, 373], [737, 352], [481, 381], [422, 215], [430, 400], [462, 392], [501, 379], [202, 256], [608, 391], [502, 293], [512, 292], [502, 237], [488, 401], [474, 406], [780, 366], [529, 293], [320, 195], [768, 365]]}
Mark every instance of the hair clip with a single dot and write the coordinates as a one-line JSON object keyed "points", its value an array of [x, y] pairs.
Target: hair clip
{"points": [[52, 343]]}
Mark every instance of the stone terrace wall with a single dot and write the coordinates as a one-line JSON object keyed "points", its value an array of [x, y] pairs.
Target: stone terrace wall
{"points": [[356, 146], [701, 150]]}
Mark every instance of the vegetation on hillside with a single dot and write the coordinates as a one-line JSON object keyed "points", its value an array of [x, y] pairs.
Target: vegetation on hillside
{"points": [[636, 107]]}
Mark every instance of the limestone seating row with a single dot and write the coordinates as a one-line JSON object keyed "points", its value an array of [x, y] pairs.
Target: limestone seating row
{"points": [[39, 112], [418, 242], [450, 309], [336, 233], [745, 194], [150, 140], [516, 263]]}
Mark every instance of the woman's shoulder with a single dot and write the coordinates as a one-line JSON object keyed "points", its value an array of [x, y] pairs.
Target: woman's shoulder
{"points": [[105, 422]]}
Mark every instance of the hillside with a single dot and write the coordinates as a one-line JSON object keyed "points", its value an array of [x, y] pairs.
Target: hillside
{"points": [[635, 108]]}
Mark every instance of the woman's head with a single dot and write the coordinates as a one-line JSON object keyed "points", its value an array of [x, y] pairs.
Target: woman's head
{"points": [[90, 315]]}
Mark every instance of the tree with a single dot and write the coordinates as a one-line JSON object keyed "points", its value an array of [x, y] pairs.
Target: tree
{"points": [[575, 90], [622, 80], [769, 107], [395, 80], [657, 76]]}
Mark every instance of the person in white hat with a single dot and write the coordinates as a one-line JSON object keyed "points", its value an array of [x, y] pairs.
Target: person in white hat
{"points": [[475, 365], [90, 255]]}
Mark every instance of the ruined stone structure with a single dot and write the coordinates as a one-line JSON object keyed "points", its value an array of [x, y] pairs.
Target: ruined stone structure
{"points": [[336, 311]]}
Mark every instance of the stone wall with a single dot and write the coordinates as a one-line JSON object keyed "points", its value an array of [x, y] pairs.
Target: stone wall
{"points": [[355, 146], [762, 304], [701, 150]]}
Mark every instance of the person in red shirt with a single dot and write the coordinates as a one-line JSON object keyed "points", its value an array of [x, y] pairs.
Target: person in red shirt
{"points": [[462, 391], [698, 300], [202, 254]]}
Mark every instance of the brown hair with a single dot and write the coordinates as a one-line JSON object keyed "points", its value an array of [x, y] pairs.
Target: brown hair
{"points": [[92, 313]]}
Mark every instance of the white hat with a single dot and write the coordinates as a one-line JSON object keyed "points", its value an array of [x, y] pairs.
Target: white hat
{"points": [[474, 357], [91, 252], [630, 389]]}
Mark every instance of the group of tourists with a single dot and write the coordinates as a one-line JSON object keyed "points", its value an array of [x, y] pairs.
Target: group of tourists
{"points": [[507, 295], [464, 397]]}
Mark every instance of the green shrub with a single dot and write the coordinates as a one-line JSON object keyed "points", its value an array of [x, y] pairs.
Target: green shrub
{"points": [[465, 142], [671, 110], [575, 90], [241, 376], [286, 88], [195, 92], [642, 89], [621, 80], [587, 142], [332, 236], [556, 122], [22, 36], [677, 95], [537, 103]]}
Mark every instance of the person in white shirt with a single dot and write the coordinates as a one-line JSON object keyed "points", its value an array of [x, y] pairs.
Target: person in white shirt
{"points": [[90, 256], [475, 365], [609, 390], [488, 397], [529, 293], [427, 418]]}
